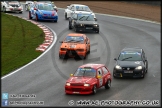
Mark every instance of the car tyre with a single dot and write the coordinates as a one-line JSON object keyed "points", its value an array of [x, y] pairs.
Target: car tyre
{"points": [[89, 50], [55, 20], [94, 90], [114, 75], [70, 27], [30, 15], [37, 17], [4, 9], [66, 16], [108, 84]]}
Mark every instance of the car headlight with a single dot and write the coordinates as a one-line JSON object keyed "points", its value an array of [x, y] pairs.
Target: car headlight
{"points": [[68, 84], [96, 25], [86, 85], [40, 12], [138, 68], [81, 25], [117, 67]]}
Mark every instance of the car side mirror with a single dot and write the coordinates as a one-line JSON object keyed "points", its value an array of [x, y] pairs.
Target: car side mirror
{"points": [[61, 41], [95, 19], [71, 75], [115, 59]]}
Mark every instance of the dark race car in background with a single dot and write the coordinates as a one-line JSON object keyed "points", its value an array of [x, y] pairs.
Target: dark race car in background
{"points": [[131, 62], [83, 22]]}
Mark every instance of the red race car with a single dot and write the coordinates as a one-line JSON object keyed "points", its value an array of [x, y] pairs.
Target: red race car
{"points": [[88, 78]]}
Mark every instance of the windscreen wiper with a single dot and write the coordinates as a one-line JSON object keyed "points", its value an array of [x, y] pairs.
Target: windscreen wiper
{"points": [[126, 58], [81, 17]]}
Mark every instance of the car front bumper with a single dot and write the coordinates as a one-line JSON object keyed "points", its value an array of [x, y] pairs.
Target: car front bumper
{"points": [[52, 18], [132, 73], [87, 28], [78, 90], [11, 9], [71, 53]]}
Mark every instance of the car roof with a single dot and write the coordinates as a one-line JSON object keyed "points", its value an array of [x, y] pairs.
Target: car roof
{"points": [[79, 5], [136, 49], [92, 65], [75, 34]]}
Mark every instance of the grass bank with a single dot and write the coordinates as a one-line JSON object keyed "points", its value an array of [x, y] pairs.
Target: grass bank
{"points": [[19, 39]]}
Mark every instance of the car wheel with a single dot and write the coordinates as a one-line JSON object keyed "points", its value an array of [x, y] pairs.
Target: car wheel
{"points": [[70, 27], [97, 31], [114, 75], [85, 56], [4, 9], [94, 90], [75, 29], [143, 75], [108, 84], [30, 15], [89, 50], [20, 12], [55, 20], [66, 16], [36, 17]]}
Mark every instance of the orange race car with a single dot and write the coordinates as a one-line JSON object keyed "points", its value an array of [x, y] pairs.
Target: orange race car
{"points": [[75, 45]]}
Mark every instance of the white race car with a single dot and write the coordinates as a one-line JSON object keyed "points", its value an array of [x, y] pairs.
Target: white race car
{"points": [[77, 8], [27, 5], [11, 6]]}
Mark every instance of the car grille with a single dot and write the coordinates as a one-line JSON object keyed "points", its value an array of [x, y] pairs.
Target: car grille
{"points": [[87, 25], [128, 68], [76, 84], [76, 89]]}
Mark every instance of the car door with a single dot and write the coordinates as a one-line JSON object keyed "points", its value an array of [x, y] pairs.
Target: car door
{"points": [[100, 80], [106, 75]]}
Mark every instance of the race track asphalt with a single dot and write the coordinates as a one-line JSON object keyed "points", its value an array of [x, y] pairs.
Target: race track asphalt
{"points": [[46, 77]]}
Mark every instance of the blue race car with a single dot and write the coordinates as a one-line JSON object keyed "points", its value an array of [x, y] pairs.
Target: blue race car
{"points": [[43, 11]]}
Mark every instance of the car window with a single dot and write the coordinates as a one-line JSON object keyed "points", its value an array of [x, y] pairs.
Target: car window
{"points": [[130, 56], [82, 8], [85, 17], [105, 71], [47, 7], [74, 39], [99, 72], [88, 72]]}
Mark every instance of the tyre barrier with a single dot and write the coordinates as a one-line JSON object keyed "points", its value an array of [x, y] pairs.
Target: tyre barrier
{"points": [[49, 36]]}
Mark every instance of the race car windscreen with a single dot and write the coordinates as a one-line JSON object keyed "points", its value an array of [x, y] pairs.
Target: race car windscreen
{"points": [[46, 7], [85, 72], [130, 56], [82, 8], [79, 39], [85, 17]]}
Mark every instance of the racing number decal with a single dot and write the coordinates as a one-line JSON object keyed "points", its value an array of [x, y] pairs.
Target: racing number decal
{"points": [[100, 81]]}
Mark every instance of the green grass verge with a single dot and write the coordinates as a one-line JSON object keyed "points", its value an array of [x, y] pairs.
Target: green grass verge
{"points": [[19, 39]]}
